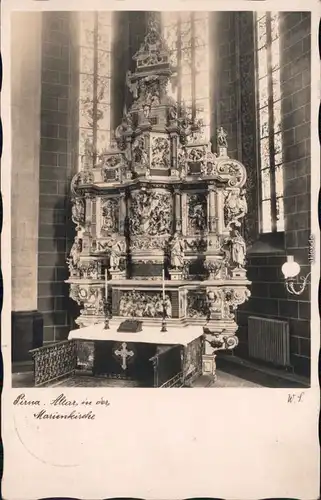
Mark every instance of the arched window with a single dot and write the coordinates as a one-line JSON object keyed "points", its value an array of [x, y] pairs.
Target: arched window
{"points": [[187, 34], [269, 118], [95, 40]]}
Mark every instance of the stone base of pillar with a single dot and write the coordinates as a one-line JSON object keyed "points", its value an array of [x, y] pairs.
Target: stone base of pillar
{"points": [[176, 274], [117, 275], [209, 365], [238, 273], [26, 334]]}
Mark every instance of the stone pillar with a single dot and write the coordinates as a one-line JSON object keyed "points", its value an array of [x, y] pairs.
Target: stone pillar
{"points": [[86, 237], [220, 211], [211, 209], [184, 214], [122, 213], [27, 323], [178, 213]]}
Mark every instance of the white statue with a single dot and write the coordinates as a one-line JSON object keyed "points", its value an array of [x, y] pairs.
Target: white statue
{"points": [[238, 249], [146, 111], [116, 250], [177, 253], [74, 256]]}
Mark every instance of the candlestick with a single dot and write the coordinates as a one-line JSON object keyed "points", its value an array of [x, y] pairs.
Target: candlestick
{"points": [[163, 284], [106, 302]]}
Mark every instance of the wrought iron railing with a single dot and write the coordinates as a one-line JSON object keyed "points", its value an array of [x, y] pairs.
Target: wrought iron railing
{"points": [[54, 361]]}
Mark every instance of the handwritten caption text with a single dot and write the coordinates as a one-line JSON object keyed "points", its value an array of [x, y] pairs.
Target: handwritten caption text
{"points": [[79, 409]]}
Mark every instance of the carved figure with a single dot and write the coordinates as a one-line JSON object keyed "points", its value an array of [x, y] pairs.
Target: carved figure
{"points": [[139, 153], [238, 249], [172, 113], [211, 161], [110, 216], [221, 138], [214, 268], [155, 98], [160, 152], [235, 207], [141, 304], [133, 86], [90, 270], [116, 251], [78, 213], [197, 217], [177, 252], [214, 302], [74, 257], [146, 111], [196, 305], [151, 213]]}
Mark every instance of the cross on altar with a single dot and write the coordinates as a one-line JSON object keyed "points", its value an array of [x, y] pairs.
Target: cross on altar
{"points": [[123, 353]]}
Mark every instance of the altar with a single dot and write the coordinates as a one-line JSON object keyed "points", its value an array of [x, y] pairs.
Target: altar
{"points": [[158, 238], [149, 357]]}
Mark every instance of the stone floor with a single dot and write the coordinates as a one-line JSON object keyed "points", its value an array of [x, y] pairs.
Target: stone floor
{"points": [[223, 380]]}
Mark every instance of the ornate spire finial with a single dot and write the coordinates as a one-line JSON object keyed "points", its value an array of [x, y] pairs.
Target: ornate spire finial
{"points": [[154, 21]]}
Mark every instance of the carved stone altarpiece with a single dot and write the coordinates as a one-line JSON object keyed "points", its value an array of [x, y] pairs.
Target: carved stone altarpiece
{"points": [[160, 199]]}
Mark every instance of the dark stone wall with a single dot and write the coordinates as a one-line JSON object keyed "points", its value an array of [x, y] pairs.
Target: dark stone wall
{"points": [[55, 174]]}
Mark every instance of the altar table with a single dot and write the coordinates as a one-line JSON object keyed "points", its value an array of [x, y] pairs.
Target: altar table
{"points": [[150, 357]]}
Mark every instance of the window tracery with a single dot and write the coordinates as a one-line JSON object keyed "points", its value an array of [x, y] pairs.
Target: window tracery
{"points": [[269, 117], [187, 35], [95, 39]]}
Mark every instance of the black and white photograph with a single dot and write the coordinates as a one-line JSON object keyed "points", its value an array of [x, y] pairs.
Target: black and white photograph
{"points": [[161, 199], [160, 173]]}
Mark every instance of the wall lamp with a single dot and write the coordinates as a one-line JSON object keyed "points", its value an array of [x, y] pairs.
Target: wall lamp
{"points": [[290, 270]]}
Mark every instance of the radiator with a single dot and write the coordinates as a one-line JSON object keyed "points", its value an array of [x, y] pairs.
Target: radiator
{"points": [[269, 340]]}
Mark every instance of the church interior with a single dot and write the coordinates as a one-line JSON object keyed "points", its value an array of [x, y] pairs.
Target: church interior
{"points": [[161, 199]]}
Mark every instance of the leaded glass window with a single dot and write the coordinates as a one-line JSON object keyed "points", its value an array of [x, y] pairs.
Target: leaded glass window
{"points": [[95, 36], [269, 118], [187, 34]]}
